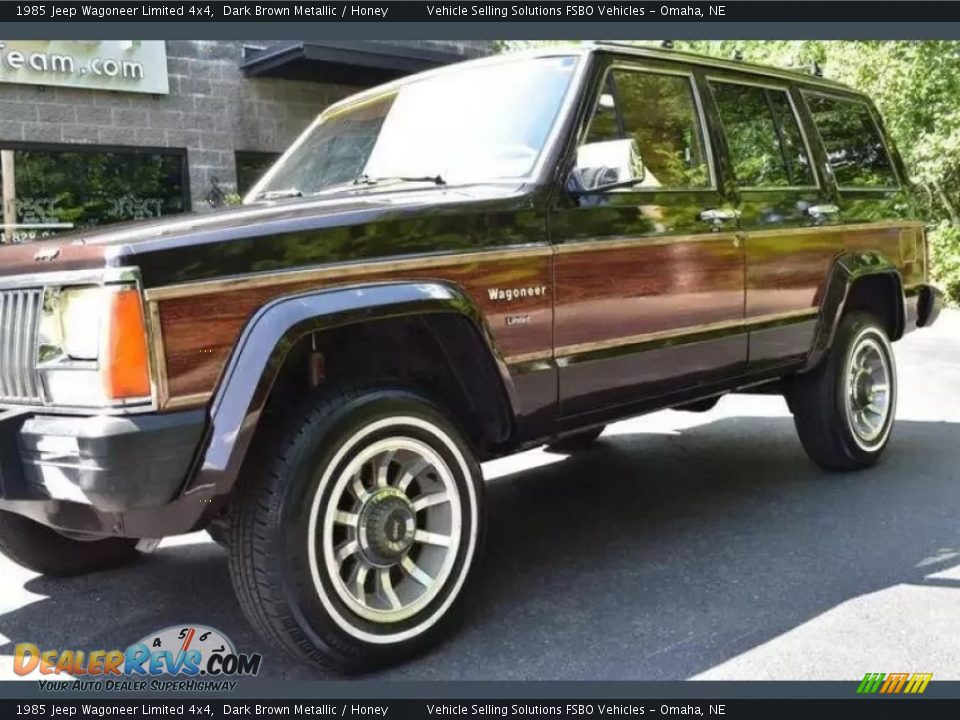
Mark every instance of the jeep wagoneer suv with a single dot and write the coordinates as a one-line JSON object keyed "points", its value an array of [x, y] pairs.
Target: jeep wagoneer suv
{"points": [[442, 270]]}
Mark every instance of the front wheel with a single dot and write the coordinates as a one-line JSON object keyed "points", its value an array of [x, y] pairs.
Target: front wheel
{"points": [[844, 409], [356, 529]]}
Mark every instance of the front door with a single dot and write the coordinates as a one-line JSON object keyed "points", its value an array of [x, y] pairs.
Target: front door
{"points": [[649, 267]]}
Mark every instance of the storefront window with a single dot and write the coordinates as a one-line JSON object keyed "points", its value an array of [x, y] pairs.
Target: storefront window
{"points": [[51, 190]]}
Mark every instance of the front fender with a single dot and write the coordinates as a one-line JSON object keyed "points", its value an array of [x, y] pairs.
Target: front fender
{"points": [[846, 270], [269, 337]]}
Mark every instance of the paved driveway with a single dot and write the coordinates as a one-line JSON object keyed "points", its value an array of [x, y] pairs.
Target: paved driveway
{"points": [[682, 546]]}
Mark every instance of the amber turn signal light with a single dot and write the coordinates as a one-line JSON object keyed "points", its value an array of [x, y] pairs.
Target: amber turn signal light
{"points": [[125, 367]]}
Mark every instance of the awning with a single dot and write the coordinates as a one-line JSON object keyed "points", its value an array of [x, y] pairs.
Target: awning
{"points": [[348, 63]]}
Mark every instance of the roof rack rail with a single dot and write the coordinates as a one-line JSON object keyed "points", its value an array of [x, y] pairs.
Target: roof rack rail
{"points": [[811, 69]]}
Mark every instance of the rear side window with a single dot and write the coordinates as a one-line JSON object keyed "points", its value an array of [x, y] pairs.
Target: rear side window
{"points": [[853, 142], [763, 136], [652, 121]]}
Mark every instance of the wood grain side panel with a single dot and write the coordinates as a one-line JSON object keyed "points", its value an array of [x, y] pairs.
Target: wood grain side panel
{"points": [[199, 332], [607, 294], [788, 271]]}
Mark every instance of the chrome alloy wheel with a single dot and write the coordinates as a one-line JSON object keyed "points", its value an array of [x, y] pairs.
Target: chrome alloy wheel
{"points": [[391, 529], [869, 391]]}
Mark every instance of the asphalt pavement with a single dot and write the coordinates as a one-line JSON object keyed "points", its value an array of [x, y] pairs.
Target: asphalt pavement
{"points": [[682, 545]]}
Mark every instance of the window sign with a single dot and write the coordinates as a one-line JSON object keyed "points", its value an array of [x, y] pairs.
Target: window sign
{"points": [[49, 190]]}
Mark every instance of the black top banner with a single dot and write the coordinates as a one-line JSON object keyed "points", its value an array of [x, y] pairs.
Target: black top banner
{"points": [[420, 11]]}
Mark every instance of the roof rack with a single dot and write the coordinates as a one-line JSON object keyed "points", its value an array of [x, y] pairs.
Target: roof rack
{"points": [[811, 69]]}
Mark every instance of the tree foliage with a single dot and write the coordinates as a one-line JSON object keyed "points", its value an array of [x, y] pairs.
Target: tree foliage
{"points": [[916, 87]]}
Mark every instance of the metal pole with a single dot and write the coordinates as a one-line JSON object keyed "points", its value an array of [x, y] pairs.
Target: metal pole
{"points": [[9, 195]]}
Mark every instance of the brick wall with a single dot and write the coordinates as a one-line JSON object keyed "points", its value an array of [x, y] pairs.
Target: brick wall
{"points": [[212, 110]]}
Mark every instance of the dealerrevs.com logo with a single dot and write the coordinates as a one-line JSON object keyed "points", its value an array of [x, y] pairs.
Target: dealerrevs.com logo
{"points": [[181, 657]]}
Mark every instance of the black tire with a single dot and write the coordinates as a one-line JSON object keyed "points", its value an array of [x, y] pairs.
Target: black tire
{"points": [[278, 546], [578, 442], [42, 550], [819, 399]]}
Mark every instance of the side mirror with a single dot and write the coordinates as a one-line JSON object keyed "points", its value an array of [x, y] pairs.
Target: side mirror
{"points": [[607, 163]]}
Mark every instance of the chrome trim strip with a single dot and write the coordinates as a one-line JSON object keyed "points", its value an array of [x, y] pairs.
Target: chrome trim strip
{"points": [[529, 357], [6, 366], [706, 236], [35, 301], [564, 352], [180, 402], [97, 276], [643, 241], [17, 318], [158, 353], [839, 228]]}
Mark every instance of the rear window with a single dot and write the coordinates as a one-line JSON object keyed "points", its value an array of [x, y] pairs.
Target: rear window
{"points": [[853, 142], [763, 136]]}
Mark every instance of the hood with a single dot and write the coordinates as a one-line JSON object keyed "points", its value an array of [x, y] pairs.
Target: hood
{"points": [[110, 245], [319, 211]]}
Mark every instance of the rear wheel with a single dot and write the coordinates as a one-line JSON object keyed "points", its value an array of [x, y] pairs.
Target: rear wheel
{"points": [[42, 550], [356, 529], [844, 409], [577, 442]]}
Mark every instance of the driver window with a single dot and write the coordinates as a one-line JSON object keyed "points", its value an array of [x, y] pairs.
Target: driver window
{"points": [[645, 131]]}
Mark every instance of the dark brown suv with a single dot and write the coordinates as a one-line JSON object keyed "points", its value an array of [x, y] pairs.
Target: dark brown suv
{"points": [[446, 269]]}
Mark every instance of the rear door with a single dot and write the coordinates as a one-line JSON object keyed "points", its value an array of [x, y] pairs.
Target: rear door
{"points": [[649, 281], [789, 216], [874, 204]]}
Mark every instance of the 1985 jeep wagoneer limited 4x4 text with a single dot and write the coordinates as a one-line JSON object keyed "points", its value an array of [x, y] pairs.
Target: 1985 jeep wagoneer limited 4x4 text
{"points": [[442, 270]]}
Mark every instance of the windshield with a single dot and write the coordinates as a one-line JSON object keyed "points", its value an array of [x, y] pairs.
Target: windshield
{"points": [[474, 123]]}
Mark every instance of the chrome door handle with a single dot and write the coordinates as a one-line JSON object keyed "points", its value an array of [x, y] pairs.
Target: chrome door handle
{"points": [[821, 210], [718, 216]]}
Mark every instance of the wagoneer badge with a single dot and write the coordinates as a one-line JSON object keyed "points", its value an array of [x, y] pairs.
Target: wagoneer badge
{"points": [[46, 254], [509, 294]]}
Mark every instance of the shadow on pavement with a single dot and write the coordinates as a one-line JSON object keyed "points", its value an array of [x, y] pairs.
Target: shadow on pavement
{"points": [[650, 556]]}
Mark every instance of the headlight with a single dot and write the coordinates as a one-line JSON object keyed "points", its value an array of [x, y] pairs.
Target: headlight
{"points": [[93, 346]]}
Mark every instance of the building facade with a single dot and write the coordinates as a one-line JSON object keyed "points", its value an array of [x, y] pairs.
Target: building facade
{"points": [[91, 135]]}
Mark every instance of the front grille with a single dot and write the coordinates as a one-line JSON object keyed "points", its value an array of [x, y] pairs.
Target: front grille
{"points": [[19, 320]]}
